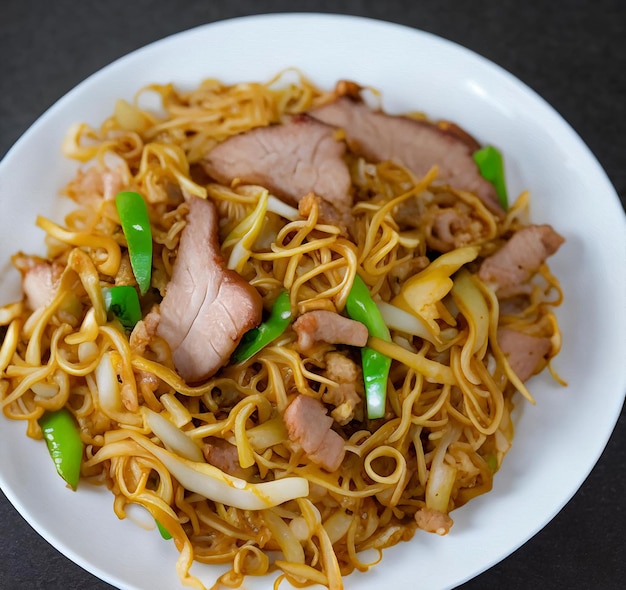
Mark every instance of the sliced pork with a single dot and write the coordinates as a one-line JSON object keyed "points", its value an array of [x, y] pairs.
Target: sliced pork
{"points": [[327, 212], [144, 331], [520, 257], [102, 180], [207, 308], [417, 145], [525, 353], [40, 279], [309, 426], [223, 455], [291, 160], [433, 521], [347, 394], [327, 326]]}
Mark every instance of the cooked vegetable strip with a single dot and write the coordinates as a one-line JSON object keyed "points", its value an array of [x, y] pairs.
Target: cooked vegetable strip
{"points": [[362, 308], [491, 165], [172, 437], [423, 293], [242, 237], [133, 213], [432, 371], [163, 531], [471, 302], [259, 337], [123, 302], [213, 483], [64, 443]]}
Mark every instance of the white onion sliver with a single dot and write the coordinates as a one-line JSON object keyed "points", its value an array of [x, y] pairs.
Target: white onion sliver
{"points": [[403, 321], [140, 516], [108, 387], [172, 437], [275, 205], [212, 483]]}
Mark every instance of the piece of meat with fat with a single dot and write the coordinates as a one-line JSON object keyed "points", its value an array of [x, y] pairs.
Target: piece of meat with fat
{"points": [[144, 331], [327, 326], [347, 393], [291, 160], [525, 353], [415, 144], [520, 257], [104, 179], [326, 212], [40, 279], [223, 455], [207, 307], [433, 521], [452, 229], [309, 426]]}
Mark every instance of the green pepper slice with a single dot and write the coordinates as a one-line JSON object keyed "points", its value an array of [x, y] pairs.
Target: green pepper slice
{"points": [[164, 532], [361, 307], [62, 436], [266, 332], [491, 166], [133, 213], [123, 302]]}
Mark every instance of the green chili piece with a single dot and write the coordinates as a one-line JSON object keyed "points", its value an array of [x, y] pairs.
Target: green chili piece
{"points": [[491, 166], [64, 443], [164, 532], [123, 302], [266, 332], [361, 307], [133, 213]]}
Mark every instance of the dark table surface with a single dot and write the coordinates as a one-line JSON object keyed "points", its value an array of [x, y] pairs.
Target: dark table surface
{"points": [[573, 53]]}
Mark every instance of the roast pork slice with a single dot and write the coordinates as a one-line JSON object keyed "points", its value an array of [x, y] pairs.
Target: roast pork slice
{"points": [[40, 279], [327, 326], [224, 455], [207, 308], [415, 144], [520, 257], [309, 426], [291, 160], [525, 353]]}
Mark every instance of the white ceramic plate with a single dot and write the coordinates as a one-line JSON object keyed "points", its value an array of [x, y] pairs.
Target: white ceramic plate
{"points": [[416, 71]]}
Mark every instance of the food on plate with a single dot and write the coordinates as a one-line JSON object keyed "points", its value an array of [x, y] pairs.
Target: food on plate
{"points": [[289, 325]]}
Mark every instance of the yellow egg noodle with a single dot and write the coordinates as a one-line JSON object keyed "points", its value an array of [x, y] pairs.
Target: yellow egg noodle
{"points": [[450, 390]]}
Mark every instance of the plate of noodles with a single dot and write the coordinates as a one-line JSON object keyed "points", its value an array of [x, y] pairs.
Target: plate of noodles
{"points": [[308, 314]]}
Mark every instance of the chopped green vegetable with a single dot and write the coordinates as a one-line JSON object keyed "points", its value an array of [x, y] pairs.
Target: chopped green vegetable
{"points": [[123, 302], [62, 436], [361, 307], [266, 332], [491, 166], [492, 462], [164, 532], [133, 213]]}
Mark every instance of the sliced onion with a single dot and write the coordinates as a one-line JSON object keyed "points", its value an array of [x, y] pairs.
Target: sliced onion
{"points": [[179, 414], [337, 525], [140, 516], [172, 437], [403, 321], [267, 434], [442, 476], [275, 205], [283, 535], [108, 386], [213, 483]]}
